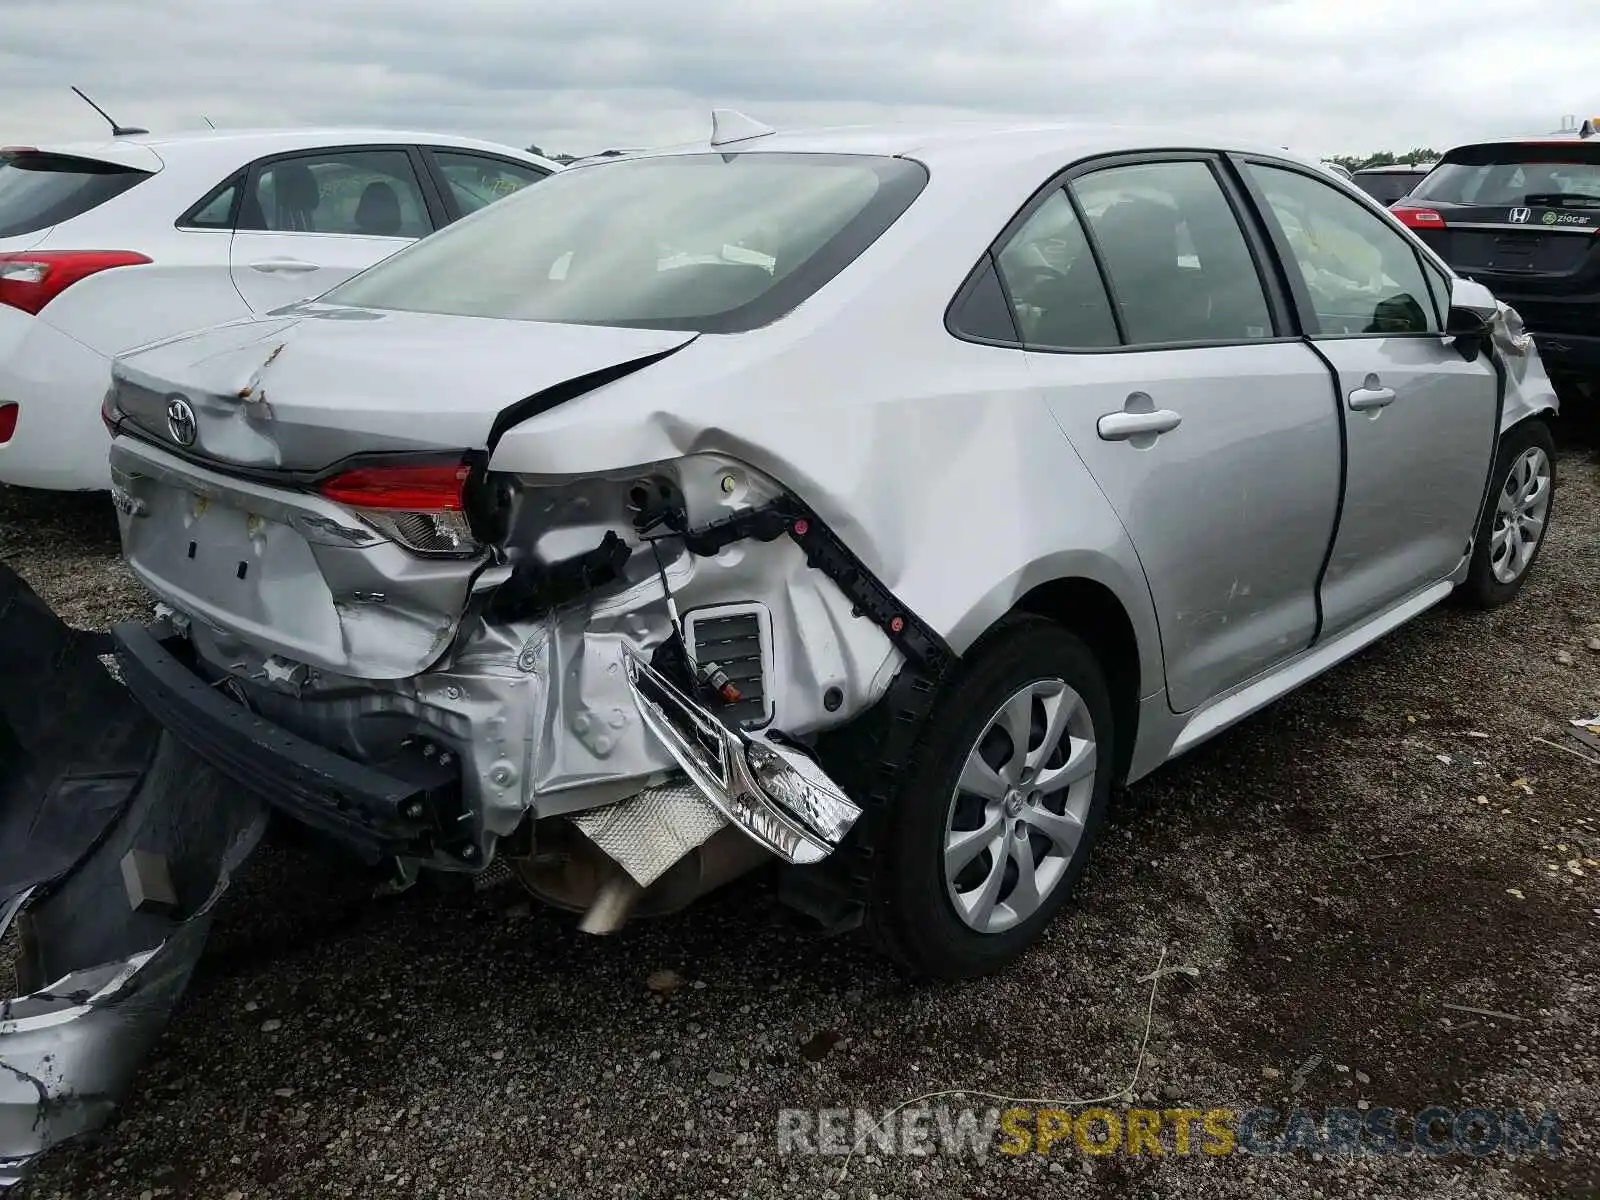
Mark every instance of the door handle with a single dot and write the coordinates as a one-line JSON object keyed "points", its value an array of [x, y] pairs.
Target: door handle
{"points": [[1120, 426], [1364, 399], [289, 266]]}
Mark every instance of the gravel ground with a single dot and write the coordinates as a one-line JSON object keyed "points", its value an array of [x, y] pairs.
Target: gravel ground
{"points": [[1390, 841]]}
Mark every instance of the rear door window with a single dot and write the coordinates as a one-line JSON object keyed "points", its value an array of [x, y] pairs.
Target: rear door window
{"points": [[369, 193], [39, 190], [1179, 266], [476, 180]]}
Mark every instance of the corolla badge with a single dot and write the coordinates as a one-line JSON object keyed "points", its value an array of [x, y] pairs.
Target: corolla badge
{"points": [[180, 421]]}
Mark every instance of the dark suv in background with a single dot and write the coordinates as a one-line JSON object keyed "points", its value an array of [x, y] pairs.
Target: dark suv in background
{"points": [[1391, 183], [1521, 216]]}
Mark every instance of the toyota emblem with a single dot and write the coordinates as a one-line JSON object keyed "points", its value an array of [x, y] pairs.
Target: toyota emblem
{"points": [[180, 421]]}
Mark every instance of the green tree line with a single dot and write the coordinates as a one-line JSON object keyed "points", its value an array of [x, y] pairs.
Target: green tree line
{"points": [[1385, 158], [560, 158]]}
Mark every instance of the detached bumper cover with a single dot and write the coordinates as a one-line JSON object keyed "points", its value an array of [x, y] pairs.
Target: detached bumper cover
{"points": [[83, 782], [101, 979], [375, 812]]}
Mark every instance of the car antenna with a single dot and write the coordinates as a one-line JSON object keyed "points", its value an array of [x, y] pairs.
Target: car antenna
{"points": [[116, 130], [730, 125], [207, 120]]}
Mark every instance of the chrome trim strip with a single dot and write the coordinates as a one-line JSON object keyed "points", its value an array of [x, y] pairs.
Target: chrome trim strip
{"points": [[1529, 227], [777, 796]]}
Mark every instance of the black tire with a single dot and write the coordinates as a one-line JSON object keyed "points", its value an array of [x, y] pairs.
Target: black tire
{"points": [[1482, 588], [913, 915]]}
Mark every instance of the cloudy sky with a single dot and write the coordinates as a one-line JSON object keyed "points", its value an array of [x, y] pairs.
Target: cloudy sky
{"points": [[1322, 76]]}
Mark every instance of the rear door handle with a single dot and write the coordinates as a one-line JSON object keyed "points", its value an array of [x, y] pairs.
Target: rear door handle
{"points": [[1120, 426], [289, 266], [1365, 398]]}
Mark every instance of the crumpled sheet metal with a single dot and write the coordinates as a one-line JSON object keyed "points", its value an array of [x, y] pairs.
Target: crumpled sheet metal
{"points": [[1528, 386], [649, 832], [83, 779]]}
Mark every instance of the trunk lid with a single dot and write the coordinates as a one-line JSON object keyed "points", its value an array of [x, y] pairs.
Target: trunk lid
{"points": [[1522, 218], [301, 389]]}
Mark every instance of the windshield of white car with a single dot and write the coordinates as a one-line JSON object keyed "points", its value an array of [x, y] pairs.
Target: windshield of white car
{"points": [[1551, 174], [716, 243]]}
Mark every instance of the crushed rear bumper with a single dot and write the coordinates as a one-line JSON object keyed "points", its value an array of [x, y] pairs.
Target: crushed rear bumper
{"points": [[374, 811]]}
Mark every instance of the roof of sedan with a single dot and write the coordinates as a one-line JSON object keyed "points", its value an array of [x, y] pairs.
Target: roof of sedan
{"points": [[978, 141]]}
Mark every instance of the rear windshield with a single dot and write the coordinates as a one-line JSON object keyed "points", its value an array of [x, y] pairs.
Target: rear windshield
{"points": [[1387, 186], [1550, 175], [709, 242], [41, 190]]}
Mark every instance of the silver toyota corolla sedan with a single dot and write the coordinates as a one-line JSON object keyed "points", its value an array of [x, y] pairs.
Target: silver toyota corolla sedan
{"points": [[864, 504]]}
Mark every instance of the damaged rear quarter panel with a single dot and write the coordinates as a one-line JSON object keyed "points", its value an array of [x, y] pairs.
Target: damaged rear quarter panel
{"points": [[934, 459]]}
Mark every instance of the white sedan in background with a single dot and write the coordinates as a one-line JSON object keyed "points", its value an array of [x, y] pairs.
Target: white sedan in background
{"points": [[109, 245]]}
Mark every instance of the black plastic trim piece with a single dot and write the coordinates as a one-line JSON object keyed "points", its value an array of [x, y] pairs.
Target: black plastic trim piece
{"points": [[433, 198], [1502, 379], [827, 552], [1344, 483], [535, 587], [373, 812], [569, 389]]}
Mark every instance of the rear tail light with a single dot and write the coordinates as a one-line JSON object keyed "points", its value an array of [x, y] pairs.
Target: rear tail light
{"points": [[420, 506], [30, 279], [8, 421], [1418, 218]]}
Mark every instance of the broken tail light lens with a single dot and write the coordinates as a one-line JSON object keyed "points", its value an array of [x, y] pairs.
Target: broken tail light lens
{"points": [[30, 279], [420, 506]]}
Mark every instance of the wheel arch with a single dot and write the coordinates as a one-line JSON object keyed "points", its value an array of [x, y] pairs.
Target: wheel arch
{"points": [[1093, 611]]}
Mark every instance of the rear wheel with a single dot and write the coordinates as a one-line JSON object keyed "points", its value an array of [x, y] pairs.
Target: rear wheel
{"points": [[1516, 518], [1000, 806]]}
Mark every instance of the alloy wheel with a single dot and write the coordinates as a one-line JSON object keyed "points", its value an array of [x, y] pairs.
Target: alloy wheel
{"points": [[1017, 814], [1519, 517]]}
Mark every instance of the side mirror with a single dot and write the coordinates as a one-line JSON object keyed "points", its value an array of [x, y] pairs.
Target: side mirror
{"points": [[1468, 330]]}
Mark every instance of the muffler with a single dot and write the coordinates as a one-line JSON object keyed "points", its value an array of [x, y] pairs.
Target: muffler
{"points": [[650, 855]]}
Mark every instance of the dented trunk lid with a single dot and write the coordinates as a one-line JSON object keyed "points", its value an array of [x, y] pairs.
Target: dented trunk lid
{"points": [[221, 433], [304, 388]]}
